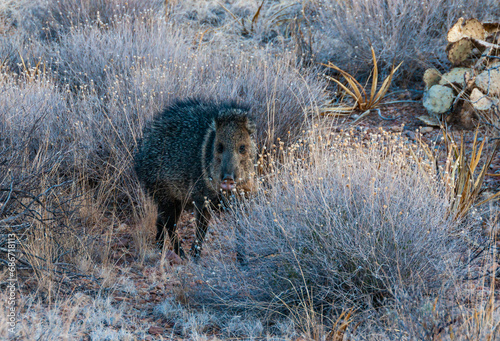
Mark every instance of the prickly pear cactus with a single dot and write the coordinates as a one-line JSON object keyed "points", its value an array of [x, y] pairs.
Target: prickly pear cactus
{"points": [[438, 99], [482, 102], [431, 77], [457, 76], [475, 86], [470, 28], [459, 51], [489, 80]]}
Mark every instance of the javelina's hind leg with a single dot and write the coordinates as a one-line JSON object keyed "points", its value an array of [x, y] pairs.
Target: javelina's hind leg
{"points": [[202, 218], [168, 215]]}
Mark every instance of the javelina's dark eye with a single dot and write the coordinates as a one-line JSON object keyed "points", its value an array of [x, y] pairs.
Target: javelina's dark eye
{"points": [[220, 148], [242, 149]]}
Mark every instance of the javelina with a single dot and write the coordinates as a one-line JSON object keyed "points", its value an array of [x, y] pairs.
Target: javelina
{"points": [[191, 154]]}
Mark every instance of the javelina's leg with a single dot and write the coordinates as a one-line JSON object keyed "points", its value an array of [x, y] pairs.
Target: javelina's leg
{"points": [[202, 218], [168, 215]]}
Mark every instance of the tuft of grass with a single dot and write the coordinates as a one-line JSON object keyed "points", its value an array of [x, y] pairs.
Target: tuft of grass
{"points": [[464, 172], [464, 177]]}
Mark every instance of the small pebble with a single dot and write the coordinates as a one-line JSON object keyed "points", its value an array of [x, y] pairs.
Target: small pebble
{"points": [[156, 330], [425, 130], [411, 135]]}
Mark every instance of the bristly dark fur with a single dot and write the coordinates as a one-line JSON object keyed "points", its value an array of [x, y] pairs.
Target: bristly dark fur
{"points": [[178, 165]]}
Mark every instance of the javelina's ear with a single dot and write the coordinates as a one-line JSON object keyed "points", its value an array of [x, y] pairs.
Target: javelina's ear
{"points": [[251, 125]]}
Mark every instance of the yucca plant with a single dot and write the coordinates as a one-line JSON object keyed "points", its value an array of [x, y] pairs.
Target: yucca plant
{"points": [[462, 176], [354, 89]]}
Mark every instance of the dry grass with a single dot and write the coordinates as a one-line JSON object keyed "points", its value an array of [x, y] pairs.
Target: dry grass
{"points": [[464, 183], [334, 236]]}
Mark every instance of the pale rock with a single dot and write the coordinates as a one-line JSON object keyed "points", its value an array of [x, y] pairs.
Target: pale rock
{"points": [[480, 101], [425, 130], [488, 81]]}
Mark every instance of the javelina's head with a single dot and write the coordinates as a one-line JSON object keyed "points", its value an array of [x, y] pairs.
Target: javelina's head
{"points": [[233, 152]]}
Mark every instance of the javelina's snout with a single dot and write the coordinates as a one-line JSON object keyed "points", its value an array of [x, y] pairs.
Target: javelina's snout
{"points": [[228, 183]]}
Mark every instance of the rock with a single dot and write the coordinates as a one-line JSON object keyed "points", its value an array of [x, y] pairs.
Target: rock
{"points": [[488, 81], [480, 101], [397, 129], [438, 99], [430, 120], [156, 330], [458, 76], [425, 130]]}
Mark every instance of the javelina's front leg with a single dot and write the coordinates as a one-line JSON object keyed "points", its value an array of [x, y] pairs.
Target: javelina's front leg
{"points": [[202, 218], [168, 215]]}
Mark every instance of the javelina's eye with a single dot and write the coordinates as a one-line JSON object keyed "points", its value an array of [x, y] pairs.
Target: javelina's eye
{"points": [[242, 149], [220, 148]]}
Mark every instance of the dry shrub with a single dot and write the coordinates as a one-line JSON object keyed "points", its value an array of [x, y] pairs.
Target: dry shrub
{"points": [[340, 223], [404, 31], [35, 194], [259, 22], [76, 318], [52, 19]]}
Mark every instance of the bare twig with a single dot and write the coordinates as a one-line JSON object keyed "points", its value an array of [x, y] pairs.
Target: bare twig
{"points": [[387, 118], [4, 205]]}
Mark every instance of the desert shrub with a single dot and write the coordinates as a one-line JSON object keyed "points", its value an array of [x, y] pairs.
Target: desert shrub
{"points": [[258, 22], [412, 32], [73, 318], [341, 223], [37, 190], [149, 66], [51, 19]]}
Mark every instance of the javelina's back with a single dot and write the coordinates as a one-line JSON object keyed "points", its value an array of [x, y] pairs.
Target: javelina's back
{"points": [[178, 162], [169, 154]]}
